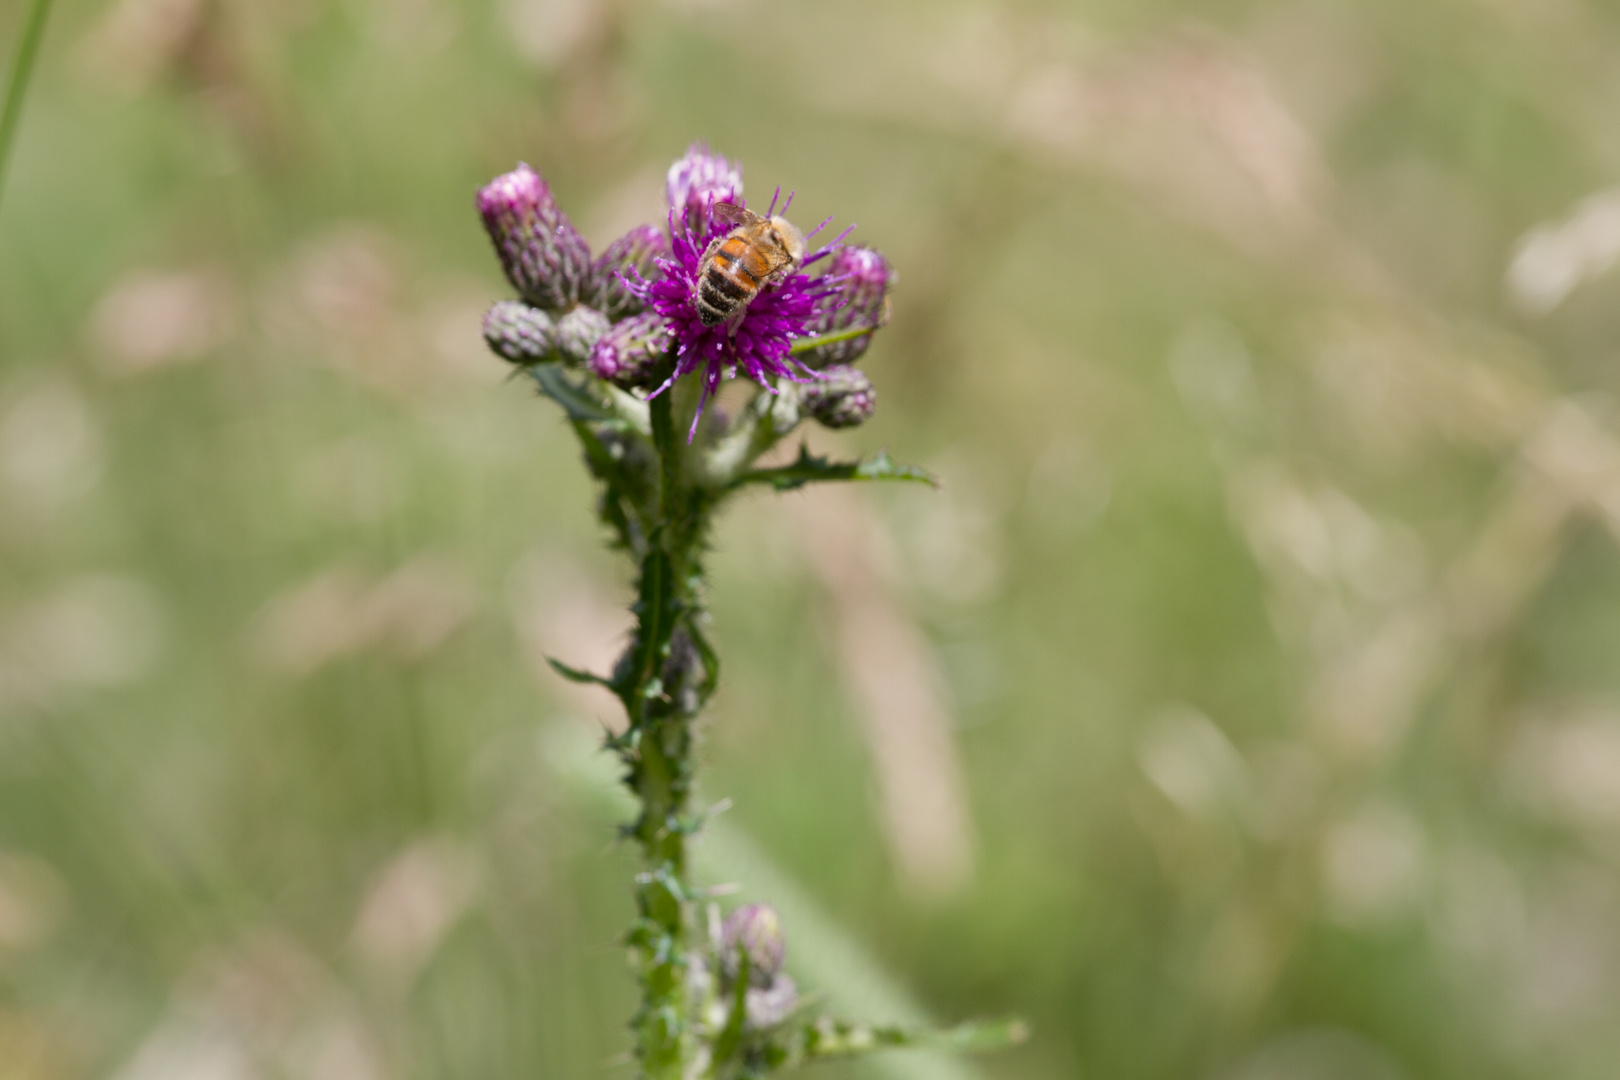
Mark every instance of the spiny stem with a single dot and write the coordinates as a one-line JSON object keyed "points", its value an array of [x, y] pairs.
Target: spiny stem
{"points": [[22, 69], [661, 762]]}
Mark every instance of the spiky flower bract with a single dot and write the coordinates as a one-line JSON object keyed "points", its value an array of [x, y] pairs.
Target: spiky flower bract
{"points": [[579, 331], [635, 253], [634, 353]]}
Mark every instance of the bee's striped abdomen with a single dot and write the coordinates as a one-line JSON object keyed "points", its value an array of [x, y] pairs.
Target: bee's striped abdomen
{"points": [[729, 280]]}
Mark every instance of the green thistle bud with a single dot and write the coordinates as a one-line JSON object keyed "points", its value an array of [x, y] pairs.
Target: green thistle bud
{"points": [[843, 397], [579, 331], [520, 333]]}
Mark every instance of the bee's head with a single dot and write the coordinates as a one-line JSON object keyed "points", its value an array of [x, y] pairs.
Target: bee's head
{"points": [[791, 238]]}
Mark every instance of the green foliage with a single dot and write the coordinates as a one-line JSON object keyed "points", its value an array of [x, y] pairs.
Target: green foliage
{"points": [[811, 468]]}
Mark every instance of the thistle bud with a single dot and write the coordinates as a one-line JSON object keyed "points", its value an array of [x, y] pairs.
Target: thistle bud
{"points": [[636, 252], [579, 331], [520, 333], [753, 931], [544, 256], [634, 353], [860, 298], [696, 182], [843, 397]]}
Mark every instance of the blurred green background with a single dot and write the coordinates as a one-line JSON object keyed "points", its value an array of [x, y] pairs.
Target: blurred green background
{"points": [[1245, 707]]}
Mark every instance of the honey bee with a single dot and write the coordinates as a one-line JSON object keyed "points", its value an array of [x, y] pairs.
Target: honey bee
{"points": [[757, 252]]}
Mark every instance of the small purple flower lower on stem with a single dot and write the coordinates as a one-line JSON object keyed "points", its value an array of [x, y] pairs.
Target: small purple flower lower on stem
{"points": [[754, 932], [767, 1006], [544, 256]]}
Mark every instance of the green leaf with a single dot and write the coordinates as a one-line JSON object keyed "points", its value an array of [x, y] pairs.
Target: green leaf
{"points": [[653, 609], [711, 663], [730, 1037], [575, 397], [806, 344], [975, 1036], [574, 674], [826, 1037], [813, 468]]}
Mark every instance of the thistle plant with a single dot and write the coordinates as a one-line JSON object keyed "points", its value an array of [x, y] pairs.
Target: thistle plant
{"points": [[618, 342]]}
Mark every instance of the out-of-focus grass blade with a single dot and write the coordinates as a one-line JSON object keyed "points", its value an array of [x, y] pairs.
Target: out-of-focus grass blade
{"points": [[822, 954], [22, 69]]}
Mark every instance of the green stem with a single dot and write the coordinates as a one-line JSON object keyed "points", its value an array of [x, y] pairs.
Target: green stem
{"points": [[659, 752], [22, 69]]}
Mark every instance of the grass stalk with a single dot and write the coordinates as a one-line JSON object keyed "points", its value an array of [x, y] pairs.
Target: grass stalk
{"points": [[22, 70]]}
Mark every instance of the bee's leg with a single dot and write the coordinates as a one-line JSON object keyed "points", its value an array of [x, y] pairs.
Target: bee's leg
{"points": [[734, 320]]}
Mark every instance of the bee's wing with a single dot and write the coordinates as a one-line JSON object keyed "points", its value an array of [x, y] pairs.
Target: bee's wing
{"points": [[734, 215]]}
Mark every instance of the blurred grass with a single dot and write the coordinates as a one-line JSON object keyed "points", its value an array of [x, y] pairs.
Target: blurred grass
{"points": [[18, 76], [1270, 597]]}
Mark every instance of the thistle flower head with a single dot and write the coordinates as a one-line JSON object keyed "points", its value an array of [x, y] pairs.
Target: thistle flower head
{"points": [[544, 256], [647, 282], [758, 346], [696, 182], [518, 332], [859, 279], [635, 254]]}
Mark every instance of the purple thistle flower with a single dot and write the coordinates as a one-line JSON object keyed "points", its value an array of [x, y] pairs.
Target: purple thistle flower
{"points": [[544, 256], [861, 279], [758, 346], [637, 250], [696, 182]]}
